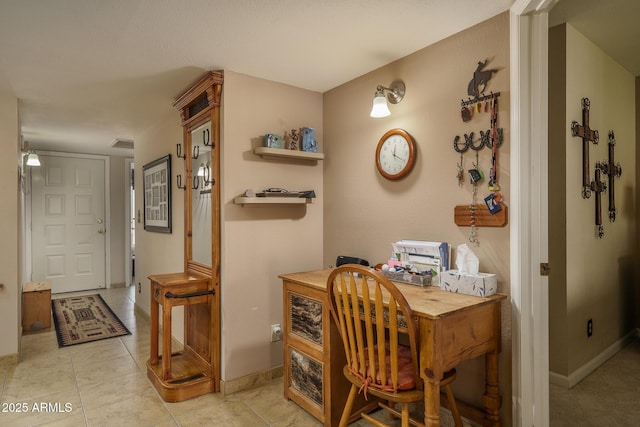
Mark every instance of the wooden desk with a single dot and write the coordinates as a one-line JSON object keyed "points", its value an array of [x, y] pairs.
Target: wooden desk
{"points": [[453, 328]]}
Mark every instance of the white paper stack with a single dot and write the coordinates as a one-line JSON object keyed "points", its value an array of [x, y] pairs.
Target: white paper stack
{"points": [[423, 255]]}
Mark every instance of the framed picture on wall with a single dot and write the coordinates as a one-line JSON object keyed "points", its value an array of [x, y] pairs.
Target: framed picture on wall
{"points": [[156, 180]]}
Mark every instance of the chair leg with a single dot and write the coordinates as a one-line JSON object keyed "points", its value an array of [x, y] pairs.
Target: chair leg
{"points": [[405, 415], [454, 408], [348, 406], [391, 405]]}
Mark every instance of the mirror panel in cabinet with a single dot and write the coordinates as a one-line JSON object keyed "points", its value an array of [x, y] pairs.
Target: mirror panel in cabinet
{"points": [[201, 185]]}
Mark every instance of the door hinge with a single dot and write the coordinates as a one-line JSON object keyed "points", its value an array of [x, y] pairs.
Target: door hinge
{"points": [[545, 270]]}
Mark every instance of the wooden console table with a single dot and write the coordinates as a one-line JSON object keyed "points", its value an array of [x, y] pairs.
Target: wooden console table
{"points": [[185, 374], [453, 328]]}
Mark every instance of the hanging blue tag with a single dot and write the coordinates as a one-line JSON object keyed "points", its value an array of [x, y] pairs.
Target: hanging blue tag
{"points": [[492, 204]]}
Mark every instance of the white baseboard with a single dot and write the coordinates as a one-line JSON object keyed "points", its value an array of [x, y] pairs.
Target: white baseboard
{"points": [[582, 372]]}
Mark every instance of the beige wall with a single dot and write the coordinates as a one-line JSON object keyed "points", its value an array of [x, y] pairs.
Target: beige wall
{"points": [[9, 218], [557, 197], [117, 218], [599, 283], [637, 194], [364, 213], [258, 243], [159, 253]]}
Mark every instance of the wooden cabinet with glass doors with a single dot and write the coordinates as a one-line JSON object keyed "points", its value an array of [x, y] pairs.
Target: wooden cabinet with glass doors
{"points": [[195, 369]]}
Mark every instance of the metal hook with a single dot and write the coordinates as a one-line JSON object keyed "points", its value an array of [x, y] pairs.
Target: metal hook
{"points": [[456, 147], [469, 139], [179, 152], [206, 138], [179, 183], [207, 175]]}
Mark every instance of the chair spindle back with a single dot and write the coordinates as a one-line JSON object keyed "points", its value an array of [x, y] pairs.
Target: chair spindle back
{"points": [[371, 313]]}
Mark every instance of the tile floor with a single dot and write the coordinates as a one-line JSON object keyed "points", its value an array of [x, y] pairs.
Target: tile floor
{"points": [[104, 383]]}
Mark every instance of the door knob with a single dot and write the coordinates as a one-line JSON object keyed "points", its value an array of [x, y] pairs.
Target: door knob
{"points": [[101, 231], [100, 221]]}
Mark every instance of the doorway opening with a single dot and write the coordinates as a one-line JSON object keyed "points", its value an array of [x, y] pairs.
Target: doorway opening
{"points": [[130, 223]]}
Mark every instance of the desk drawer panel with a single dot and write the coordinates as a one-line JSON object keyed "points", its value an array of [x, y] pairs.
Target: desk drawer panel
{"points": [[306, 375], [305, 317]]}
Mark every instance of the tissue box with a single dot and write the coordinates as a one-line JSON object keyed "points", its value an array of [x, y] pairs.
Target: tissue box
{"points": [[481, 284]]}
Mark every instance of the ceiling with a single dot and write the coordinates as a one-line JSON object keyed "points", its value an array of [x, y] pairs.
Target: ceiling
{"points": [[612, 25], [87, 72]]}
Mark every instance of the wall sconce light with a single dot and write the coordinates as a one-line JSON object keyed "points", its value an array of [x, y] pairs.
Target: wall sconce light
{"points": [[395, 95], [32, 159]]}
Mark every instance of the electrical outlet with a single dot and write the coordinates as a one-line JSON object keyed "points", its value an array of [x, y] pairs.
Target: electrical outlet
{"points": [[589, 327], [139, 288], [276, 332]]}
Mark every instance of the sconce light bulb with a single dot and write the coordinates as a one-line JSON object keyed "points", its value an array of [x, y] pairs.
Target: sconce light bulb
{"points": [[32, 159], [380, 107]]}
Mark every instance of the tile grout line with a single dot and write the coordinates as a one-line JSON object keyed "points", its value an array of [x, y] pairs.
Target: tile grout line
{"points": [[75, 376], [267, 423], [162, 401], [143, 372]]}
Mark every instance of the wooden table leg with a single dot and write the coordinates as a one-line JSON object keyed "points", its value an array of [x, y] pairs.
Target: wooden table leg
{"points": [[431, 403], [491, 399], [430, 372], [166, 341], [154, 330]]}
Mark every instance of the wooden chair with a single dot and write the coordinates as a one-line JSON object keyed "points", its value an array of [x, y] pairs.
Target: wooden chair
{"points": [[377, 364]]}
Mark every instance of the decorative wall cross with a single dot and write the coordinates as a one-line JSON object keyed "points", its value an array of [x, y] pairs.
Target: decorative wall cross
{"points": [[612, 170], [598, 187], [587, 135]]}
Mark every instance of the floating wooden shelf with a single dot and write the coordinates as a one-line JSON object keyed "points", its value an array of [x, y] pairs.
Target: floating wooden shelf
{"points": [[282, 153], [462, 216], [258, 201]]}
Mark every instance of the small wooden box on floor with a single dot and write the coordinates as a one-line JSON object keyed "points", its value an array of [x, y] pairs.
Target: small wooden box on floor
{"points": [[36, 306]]}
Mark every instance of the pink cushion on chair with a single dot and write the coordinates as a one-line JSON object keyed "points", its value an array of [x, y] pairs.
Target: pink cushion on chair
{"points": [[406, 372]]}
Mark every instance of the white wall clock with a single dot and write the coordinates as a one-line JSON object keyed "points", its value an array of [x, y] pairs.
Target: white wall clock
{"points": [[395, 154]]}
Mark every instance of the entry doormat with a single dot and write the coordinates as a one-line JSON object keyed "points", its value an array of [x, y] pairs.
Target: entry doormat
{"points": [[83, 319]]}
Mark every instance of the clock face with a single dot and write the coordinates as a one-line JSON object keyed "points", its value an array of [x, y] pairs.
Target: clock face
{"points": [[395, 154]]}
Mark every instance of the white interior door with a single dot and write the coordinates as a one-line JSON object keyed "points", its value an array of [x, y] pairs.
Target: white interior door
{"points": [[68, 223]]}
